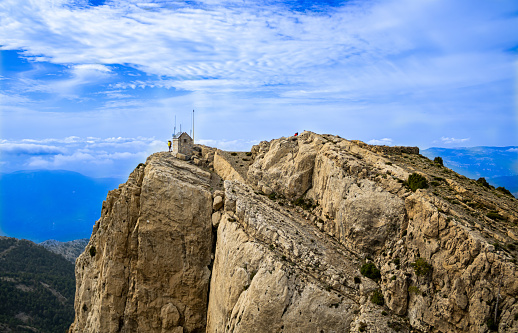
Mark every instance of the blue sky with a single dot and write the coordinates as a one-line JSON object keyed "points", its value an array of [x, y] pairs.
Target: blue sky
{"points": [[94, 86]]}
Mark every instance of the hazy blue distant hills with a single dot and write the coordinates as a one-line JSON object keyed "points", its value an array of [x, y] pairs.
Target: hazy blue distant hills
{"points": [[499, 165], [70, 250], [37, 288], [509, 182], [64, 205], [42, 205]]}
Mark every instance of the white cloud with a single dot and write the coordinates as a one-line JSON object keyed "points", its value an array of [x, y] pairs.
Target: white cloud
{"points": [[454, 140], [99, 157], [230, 145], [409, 64], [29, 148], [13, 99], [384, 141], [244, 47], [513, 150]]}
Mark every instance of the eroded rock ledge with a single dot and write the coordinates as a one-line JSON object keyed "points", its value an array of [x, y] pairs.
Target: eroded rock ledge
{"points": [[280, 249]]}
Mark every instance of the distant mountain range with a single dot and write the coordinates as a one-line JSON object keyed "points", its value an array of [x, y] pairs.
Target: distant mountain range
{"points": [[64, 205], [499, 165], [42, 205], [69, 250]]}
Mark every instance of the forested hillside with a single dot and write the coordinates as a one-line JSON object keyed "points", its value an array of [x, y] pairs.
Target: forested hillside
{"points": [[36, 288]]}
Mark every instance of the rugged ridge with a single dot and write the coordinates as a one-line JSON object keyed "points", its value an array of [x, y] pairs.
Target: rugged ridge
{"points": [[281, 247], [70, 250], [145, 268]]}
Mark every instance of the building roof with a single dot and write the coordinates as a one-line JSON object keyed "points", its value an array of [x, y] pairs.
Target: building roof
{"points": [[179, 134]]}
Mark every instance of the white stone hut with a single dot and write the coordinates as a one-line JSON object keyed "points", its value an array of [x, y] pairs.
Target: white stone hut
{"points": [[183, 144]]}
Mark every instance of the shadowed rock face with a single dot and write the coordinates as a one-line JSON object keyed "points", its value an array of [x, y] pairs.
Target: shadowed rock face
{"points": [[288, 241]]}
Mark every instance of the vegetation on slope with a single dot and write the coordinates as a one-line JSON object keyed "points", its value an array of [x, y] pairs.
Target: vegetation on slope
{"points": [[36, 288]]}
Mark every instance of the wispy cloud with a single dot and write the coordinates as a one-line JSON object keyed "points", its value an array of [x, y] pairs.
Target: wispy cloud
{"points": [[428, 65], [29, 148], [116, 155], [384, 141], [248, 47], [232, 145], [454, 140]]}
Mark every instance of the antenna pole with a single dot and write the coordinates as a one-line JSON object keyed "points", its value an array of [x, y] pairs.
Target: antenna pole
{"points": [[192, 126]]}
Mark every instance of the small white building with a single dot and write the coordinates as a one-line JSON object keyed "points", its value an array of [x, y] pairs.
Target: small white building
{"points": [[182, 143]]}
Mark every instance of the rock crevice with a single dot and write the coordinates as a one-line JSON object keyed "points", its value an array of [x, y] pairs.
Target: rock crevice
{"points": [[281, 249]]}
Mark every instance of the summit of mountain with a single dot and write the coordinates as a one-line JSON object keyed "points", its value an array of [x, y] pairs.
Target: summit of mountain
{"points": [[306, 233]]}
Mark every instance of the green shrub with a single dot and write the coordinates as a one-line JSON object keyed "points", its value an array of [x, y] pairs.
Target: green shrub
{"points": [[233, 154], [371, 271], [438, 160], [249, 153], [272, 196], [377, 298], [421, 267], [384, 313], [491, 325], [482, 181], [505, 191], [414, 290], [416, 181], [397, 262], [495, 216], [362, 326], [305, 204], [93, 251], [395, 326]]}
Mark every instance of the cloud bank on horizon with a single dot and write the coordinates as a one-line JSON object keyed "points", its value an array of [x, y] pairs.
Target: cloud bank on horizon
{"points": [[402, 72]]}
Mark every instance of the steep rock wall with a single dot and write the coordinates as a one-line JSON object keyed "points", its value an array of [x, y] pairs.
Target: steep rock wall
{"points": [[290, 260], [362, 202], [149, 271], [275, 272]]}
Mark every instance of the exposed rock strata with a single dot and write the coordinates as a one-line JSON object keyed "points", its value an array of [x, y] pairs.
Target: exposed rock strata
{"points": [[274, 271], [292, 235], [149, 270]]}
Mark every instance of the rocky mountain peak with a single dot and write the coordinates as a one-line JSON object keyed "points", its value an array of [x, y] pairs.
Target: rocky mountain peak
{"points": [[307, 233]]}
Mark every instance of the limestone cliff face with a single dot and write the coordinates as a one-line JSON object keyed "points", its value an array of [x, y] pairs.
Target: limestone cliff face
{"points": [[288, 239], [146, 268]]}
